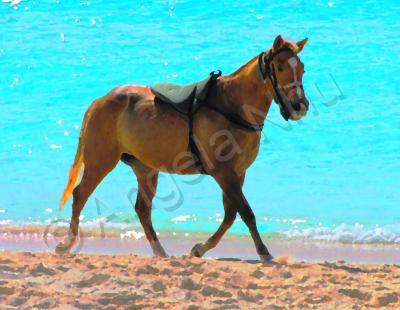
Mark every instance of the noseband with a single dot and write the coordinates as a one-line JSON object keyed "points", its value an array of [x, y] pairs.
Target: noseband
{"points": [[270, 73]]}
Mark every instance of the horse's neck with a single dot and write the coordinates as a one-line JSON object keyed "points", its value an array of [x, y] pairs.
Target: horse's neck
{"points": [[243, 93]]}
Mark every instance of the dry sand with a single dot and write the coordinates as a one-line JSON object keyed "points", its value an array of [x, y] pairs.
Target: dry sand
{"points": [[84, 281]]}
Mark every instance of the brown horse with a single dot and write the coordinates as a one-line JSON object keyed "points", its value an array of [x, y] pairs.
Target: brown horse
{"points": [[128, 124]]}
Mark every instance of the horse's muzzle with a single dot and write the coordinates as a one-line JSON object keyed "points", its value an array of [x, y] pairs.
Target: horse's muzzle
{"points": [[300, 109], [295, 110]]}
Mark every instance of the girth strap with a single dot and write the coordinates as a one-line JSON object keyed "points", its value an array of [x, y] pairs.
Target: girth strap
{"points": [[194, 149]]}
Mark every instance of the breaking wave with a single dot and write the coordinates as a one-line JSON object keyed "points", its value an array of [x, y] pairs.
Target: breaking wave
{"points": [[347, 234]]}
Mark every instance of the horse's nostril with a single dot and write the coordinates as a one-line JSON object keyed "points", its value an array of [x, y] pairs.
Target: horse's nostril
{"points": [[297, 106]]}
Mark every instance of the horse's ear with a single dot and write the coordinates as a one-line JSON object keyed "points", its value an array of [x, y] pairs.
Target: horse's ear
{"points": [[278, 42], [301, 44]]}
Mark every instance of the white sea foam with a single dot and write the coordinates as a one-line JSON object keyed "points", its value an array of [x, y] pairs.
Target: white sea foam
{"points": [[356, 233], [55, 146], [15, 3], [132, 234], [346, 234], [181, 218], [285, 220]]}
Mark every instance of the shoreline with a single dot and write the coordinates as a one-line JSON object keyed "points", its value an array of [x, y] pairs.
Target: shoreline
{"points": [[231, 246]]}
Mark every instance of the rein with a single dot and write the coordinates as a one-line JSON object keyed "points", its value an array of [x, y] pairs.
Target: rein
{"points": [[271, 75], [232, 117], [237, 120]]}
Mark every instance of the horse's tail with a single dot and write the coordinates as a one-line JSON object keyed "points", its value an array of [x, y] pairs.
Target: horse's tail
{"points": [[74, 173], [77, 166]]}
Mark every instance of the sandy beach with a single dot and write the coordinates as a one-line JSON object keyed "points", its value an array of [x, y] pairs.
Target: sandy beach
{"points": [[223, 129], [89, 281]]}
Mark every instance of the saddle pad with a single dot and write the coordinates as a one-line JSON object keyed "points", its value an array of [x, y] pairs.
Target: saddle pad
{"points": [[183, 97]]}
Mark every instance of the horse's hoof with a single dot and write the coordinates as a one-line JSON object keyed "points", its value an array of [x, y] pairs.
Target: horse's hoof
{"points": [[198, 250], [158, 250], [61, 248], [160, 253], [267, 258]]}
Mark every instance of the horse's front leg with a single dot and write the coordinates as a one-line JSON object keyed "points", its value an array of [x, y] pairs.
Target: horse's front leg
{"points": [[231, 186], [229, 217]]}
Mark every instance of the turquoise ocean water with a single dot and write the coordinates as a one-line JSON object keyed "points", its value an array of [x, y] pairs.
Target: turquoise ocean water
{"points": [[333, 176]]}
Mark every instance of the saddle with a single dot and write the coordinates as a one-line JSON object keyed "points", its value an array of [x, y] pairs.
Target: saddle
{"points": [[186, 99]]}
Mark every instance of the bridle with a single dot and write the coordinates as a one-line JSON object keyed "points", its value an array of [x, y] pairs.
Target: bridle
{"points": [[270, 73], [236, 119], [280, 98]]}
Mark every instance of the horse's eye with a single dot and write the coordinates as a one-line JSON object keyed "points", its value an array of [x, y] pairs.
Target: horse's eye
{"points": [[280, 69]]}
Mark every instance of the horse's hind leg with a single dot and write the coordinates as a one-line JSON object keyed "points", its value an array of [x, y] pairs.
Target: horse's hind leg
{"points": [[98, 163], [230, 214], [147, 185]]}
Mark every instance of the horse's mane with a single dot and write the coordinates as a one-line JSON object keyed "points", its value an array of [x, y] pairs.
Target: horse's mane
{"points": [[238, 71]]}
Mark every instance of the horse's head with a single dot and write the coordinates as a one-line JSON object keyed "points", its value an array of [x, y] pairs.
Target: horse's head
{"points": [[283, 68]]}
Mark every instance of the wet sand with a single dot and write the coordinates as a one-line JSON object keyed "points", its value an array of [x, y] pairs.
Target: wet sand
{"points": [[90, 281], [231, 246]]}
